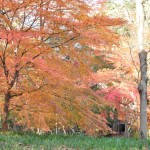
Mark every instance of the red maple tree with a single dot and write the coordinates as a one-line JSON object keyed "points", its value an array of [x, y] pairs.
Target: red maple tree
{"points": [[47, 50]]}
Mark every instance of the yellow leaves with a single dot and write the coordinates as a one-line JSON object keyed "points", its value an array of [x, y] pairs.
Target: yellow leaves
{"points": [[5, 20], [63, 105]]}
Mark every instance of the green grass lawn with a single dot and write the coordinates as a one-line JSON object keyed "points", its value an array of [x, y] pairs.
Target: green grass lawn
{"points": [[15, 141]]}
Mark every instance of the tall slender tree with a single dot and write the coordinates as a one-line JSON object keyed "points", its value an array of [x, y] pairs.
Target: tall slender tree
{"points": [[142, 87]]}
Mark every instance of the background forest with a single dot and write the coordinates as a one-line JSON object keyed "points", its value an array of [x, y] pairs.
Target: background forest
{"points": [[70, 66]]}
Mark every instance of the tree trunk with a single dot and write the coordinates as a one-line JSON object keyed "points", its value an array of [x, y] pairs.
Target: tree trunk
{"points": [[6, 111], [143, 94], [142, 87], [115, 124]]}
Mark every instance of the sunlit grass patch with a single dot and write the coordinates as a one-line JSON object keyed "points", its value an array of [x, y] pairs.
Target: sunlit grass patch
{"points": [[15, 141]]}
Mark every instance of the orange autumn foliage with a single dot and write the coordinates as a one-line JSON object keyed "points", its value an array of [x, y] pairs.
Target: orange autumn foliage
{"points": [[45, 59]]}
